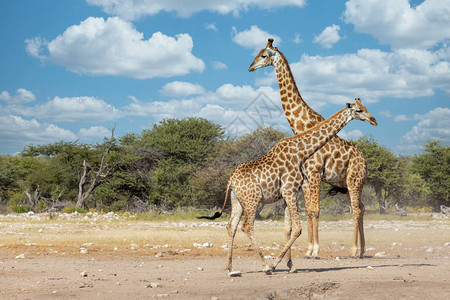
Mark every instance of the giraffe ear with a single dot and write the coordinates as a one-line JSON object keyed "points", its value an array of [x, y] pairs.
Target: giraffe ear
{"points": [[271, 51]]}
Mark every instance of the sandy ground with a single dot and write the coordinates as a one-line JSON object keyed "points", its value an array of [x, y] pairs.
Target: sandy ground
{"points": [[405, 260]]}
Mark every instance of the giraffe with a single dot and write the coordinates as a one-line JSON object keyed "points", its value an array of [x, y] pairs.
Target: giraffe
{"points": [[339, 163], [277, 175]]}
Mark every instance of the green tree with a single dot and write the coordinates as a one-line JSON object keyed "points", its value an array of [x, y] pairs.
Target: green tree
{"points": [[186, 146], [383, 172], [10, 176], [434, 167]]}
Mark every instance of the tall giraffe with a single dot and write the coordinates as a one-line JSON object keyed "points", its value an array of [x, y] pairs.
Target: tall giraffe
{"points": [[277, 175], [339, 163]]}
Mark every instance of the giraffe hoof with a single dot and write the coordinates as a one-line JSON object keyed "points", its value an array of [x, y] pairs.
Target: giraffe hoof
{"points": [[269, 269], [290, 265], [307, 257]]}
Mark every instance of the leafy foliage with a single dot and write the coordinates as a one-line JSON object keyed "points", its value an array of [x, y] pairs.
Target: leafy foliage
{"points": [[186, 163]]}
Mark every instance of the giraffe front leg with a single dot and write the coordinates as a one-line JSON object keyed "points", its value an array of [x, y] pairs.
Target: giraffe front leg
{"points": [[236, 213], [314, 179], [291, 203], [306, 195], [247, 228], [287, 233]]}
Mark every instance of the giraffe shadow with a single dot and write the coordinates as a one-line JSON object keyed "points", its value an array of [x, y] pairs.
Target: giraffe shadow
{"points": [[334, 269]]}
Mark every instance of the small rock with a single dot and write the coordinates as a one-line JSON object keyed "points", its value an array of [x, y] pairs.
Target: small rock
{"points": [[214, 298], [159, 254], [21, 255], [162, 295], [83, 250], [235, 274], [154, 285], [83, 274], [430, 250], [371, 249], [369, 268], [380, 254], [207, 245], [447, 244], [87, 244], [338, 258], [200, 268]]}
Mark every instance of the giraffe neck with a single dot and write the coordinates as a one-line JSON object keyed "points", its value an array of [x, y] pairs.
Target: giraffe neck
{"points": [[311, 140], [299, 115]]}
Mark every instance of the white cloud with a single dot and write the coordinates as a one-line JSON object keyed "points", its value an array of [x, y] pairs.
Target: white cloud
{"points": [[181, 89], [93, 132], [329, 36], [211, 26], [370, 74], [218, 65], [134, 9], [297, 39], [351, 135], [74, 109], [398, 24], [432, 126], [114, 47], [223, 106], [401, 118], [17, 132], [22, 96], [254, 38]]}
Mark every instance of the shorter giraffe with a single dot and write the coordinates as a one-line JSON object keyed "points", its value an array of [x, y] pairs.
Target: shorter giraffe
{"points": [[277, 175]]}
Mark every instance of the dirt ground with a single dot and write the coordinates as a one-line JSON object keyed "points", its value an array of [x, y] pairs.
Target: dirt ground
{"points": [[101, 259]]}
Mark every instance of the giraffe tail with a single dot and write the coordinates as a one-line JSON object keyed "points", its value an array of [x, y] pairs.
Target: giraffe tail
{"points": [[336, 189], [217, 213]]}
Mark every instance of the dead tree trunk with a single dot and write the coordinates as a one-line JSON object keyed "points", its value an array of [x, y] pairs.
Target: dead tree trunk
{"points": [[33, 199], [91, 179]]}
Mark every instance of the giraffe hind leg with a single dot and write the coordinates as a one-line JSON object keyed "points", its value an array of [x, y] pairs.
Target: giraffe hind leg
{"points": [[291, 203], [236, 213]]}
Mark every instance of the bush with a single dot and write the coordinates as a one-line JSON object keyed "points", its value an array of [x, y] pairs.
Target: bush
{"points": [[19, 209], [72, 209]]}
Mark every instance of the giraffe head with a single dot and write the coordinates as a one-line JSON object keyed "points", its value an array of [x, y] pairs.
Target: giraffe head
{"points": [[265, 57], [360, 112]]}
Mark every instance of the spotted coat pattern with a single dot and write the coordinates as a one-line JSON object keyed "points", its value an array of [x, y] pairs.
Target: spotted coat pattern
{"points": [[278, 175], [339, 162]]}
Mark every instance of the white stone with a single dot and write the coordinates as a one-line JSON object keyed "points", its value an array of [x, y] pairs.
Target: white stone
{"points": [[83, 274], [369, 268], [235, 274], [200, 268], [380, 254], [21, 255], [83, 250]]}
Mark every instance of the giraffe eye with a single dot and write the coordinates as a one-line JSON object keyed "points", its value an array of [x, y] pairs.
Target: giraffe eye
{"points": [[264, 56]]}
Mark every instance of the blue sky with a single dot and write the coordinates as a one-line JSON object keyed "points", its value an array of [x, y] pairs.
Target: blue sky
{"points": [[72, 70]]}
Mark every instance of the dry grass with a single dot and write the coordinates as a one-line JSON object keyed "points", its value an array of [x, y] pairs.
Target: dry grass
{"points": [[117, 236]]}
